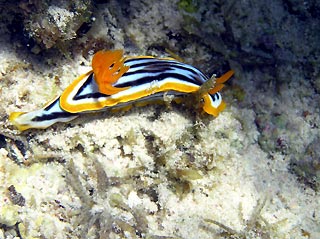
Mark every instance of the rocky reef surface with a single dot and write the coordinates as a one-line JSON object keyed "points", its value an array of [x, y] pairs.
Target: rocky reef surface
{"points": [[164, 171]]}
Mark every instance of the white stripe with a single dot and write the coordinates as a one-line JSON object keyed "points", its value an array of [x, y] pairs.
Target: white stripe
{"points": [[151, 86]]}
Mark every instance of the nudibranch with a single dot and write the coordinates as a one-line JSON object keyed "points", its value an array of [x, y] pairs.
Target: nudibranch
{"points": [[116, 81]]}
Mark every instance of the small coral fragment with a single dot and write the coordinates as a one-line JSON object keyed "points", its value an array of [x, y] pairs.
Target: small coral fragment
{"points": [[16, 197]]}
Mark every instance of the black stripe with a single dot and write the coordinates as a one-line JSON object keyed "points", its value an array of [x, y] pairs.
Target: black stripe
{"points": [[91, 95], [215, 96], [89, 81], [86, 83], [142, 59], [149, 70], [55, 115], [150, 62]]}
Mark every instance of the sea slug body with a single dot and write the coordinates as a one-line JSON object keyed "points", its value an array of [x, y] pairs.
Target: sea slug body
{"points": [[116, 81]]}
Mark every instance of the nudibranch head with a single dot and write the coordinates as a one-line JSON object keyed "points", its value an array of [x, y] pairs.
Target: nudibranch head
{"points": [[209, 93]]}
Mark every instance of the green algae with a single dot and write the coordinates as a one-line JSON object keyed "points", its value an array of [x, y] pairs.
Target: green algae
{"points": [[190, 6], [238, 92], [307, 165], [255, 227]]}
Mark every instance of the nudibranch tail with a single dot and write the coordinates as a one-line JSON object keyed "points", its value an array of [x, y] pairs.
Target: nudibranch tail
{"points": [[42, 118], [108, 67], [15, 119]]}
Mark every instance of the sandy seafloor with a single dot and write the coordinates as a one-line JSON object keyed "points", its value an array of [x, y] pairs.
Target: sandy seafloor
{"points": [[159, 171]]}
